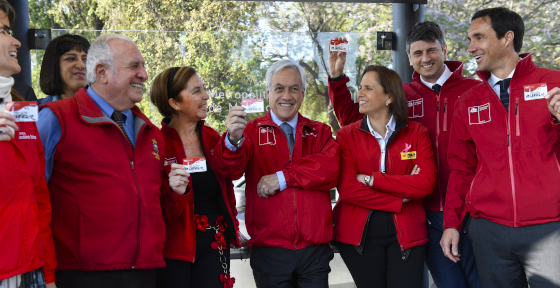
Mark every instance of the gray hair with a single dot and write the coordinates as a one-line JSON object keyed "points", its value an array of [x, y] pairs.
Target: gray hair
{"points": [[279, 66], [100, 52], [426, 31]]}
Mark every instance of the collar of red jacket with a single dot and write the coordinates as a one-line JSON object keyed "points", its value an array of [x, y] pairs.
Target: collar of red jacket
{"points": [[266, 120], [87, 108], [398, 127], [524, 67], [456, 68], [171, 132]]}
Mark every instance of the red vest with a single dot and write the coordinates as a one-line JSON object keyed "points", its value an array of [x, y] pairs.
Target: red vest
{"points": [[105, 194]]}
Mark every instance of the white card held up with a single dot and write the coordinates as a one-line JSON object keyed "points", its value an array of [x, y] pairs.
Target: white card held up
{"points": [[255, 105], [23, 111], [535, 91], [193, 165], [339, 46]]}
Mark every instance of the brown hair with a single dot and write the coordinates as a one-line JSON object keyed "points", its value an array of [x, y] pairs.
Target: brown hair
{"points": [[15, 94], [159, 94], [392, 85], [9, 10]]}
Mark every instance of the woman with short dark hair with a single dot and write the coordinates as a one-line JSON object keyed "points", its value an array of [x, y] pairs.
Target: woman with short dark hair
{"points": [[63, 71], [387, 168], [27, 256], [199, 233]]}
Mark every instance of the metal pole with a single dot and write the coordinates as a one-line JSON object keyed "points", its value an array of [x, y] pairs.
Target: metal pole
{"points": [[21, 28], [404, 17]]}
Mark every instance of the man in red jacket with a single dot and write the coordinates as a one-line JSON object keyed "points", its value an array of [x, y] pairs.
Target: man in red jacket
{"points": [[290, 163], [504, 154], [104, 164], [431, 99]]}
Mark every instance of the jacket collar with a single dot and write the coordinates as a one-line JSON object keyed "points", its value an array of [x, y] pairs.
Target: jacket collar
{"points": [[398, 127], [266, 120], [456, 68], [524, 67]]}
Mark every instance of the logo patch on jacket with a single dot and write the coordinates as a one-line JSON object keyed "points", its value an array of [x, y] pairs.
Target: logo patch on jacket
{"points": [[156, 153], [266, 136], [23, 135], [416, 108], [406, 154], [479, 114]]}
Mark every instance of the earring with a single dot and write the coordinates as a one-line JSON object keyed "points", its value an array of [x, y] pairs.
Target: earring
{"points": [[386, 103], [177, 108]]}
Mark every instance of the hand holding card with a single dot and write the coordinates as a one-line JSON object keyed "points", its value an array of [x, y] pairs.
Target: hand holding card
{"points": [[193, 165]]}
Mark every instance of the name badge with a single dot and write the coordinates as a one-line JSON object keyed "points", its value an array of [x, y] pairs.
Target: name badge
{"points": [[23, 111], [408, 155], [339, 46], [253, 105], [193, 165], [535, 91]]}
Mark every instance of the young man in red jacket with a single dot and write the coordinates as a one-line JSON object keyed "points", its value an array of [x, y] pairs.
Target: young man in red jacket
{"points": [[290, 163], [431, 99], [104, 164], [504, 154]]}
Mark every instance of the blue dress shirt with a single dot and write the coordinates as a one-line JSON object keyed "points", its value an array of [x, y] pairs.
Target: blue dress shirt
{"points": [[50, 130], [293, 124]]}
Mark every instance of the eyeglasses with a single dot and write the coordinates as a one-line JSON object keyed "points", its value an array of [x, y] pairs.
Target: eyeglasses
{"points": [[7, 31]]}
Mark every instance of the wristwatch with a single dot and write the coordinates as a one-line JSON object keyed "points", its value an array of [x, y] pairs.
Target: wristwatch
{"points": [[367, 179], [238, 142]]}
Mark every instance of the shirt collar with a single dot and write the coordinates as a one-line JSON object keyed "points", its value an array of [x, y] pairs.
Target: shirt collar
{"points": [[446, 74], [390, 128], [104, 106], [493, 80], [278, 122]]}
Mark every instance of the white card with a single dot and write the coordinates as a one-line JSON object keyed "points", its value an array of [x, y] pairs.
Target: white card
{"points": [[535, 91], [255, 105], [339, 45], [23, 111], [193, 165]]}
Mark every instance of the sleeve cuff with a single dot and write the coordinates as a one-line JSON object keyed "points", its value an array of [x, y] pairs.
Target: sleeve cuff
{"points": [[281, 180], [230, 146]]}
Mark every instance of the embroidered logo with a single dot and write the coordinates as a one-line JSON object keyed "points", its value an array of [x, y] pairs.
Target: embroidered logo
{"points": [[156, 153], [169, 161], [266, 136], [479, 114], [23, 135], [416, 108], [308, 133]]}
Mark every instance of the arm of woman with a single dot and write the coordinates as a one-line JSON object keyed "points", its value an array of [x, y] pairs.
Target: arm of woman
{"points": [[413, 187], [174, 191], [354, 192]]}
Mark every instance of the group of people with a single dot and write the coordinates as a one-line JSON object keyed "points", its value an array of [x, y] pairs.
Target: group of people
{"points": [[437, 171]]}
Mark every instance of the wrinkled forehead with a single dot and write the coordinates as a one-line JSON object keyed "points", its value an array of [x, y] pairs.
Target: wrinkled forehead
{"points": [[125, 52], [482, 25], [421, 45], [288, 76]]}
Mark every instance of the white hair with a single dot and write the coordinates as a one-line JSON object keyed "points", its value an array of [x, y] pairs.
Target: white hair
{"points": [[279, 66], [100, 52]]}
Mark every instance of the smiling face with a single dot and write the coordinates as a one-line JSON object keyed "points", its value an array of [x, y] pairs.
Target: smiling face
{"points": [[8, 49], [127, 83], [372, 99], [193, 100], [73, 70], [286, 94], [488, 51], [428, 58]]}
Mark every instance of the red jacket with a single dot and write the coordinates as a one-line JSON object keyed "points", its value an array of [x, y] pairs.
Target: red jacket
{"points": [[25, 207], [360, 155], [105, 195], [505, 165], [424, 106], [301, 215], [180, 242]]}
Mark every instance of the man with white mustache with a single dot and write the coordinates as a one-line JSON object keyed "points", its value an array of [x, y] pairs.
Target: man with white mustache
{"points": [[104, 164], [431, 100], [504, 152], [290, 163]]}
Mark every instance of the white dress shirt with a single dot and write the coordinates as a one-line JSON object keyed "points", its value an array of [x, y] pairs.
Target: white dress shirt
{"points": [[493, 80], [383, 140], [446, 74], [293, 124]]}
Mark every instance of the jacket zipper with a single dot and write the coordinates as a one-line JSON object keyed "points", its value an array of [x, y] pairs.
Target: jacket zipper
{"points": [[517, 132], [295, 194], [510, 157], [445, 114], [437, 154], [399, 230], [139, 215]]}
